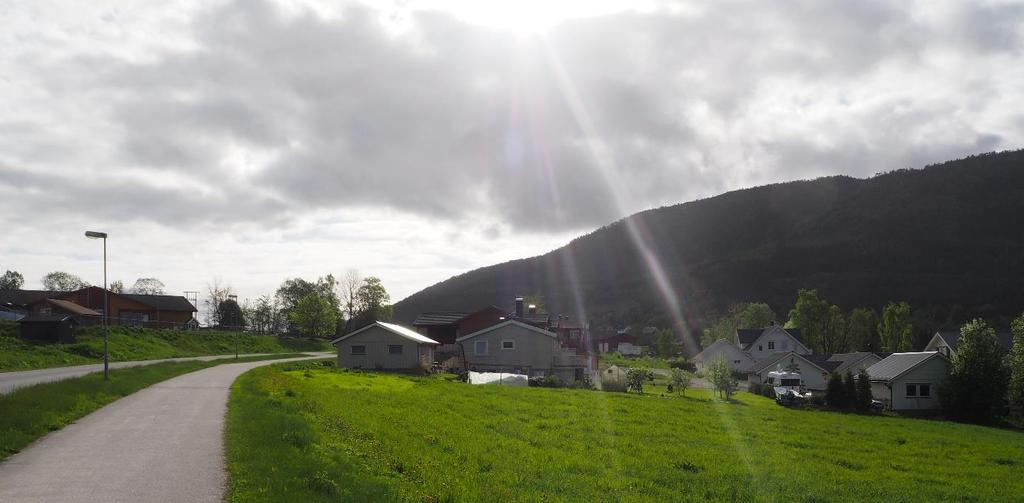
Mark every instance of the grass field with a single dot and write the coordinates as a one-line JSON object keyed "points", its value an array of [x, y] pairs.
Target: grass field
{"points": [[29, 413], [302, 432], [646, 362], [138, 344]]}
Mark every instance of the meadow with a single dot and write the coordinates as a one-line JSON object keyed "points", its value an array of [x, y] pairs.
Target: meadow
{"points": [[33, 411], [138, 344], [309, 432]]}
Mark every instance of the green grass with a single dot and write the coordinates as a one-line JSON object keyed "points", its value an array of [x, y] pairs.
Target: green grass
{"points": [[646, 362], [302, 432], [138, 344], [31, 412]]}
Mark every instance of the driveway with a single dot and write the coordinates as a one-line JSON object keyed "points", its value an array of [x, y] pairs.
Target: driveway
{"points": [[10, 381], [162, 444]]}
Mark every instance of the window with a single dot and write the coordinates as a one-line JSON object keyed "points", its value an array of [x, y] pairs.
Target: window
{"points": [[759, 348], [919, 390], [771, 345], [737, 362], [394, 349], [508, 344], [359, 350], [480, 348]]}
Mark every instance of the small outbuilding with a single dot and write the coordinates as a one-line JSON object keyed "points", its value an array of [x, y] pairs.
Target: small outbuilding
{"points": [[48, 327], [385, 346], [909, 381]]}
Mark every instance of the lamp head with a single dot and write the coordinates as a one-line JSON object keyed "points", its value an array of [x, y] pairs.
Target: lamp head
{"points": [[95, 235]]}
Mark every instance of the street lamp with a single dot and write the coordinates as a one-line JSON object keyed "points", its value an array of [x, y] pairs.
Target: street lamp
{"points": [[106, 311]]}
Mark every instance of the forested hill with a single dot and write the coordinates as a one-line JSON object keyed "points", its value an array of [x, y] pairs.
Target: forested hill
{"points": [[948, 238]]}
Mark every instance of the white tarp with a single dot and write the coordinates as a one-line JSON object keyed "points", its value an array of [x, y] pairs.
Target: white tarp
{"points": [[500, 378]]}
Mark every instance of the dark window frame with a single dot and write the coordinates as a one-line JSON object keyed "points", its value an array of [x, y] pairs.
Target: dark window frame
{"points": [[361, 350]]}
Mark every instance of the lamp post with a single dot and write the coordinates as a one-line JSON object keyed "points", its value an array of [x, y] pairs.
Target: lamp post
{"points": [[106, 309]]}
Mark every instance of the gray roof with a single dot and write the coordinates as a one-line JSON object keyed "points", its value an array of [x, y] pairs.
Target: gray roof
{"points": [[747, 336], [22, 298], [163, 302], [823, 362], [952, 337], [439, 318], [897, 364], [47, 318], [847, 359]]}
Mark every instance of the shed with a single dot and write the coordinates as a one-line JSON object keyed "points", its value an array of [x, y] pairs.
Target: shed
{"points": [[48, 327], [909, 381], [385, 346]]}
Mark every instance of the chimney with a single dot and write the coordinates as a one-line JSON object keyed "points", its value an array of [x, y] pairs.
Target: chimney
{"points": [[533, 309], [519, 307]]}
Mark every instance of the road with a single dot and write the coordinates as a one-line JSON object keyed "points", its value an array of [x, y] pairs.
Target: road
{"points": [[162, 444], [10, 381]]}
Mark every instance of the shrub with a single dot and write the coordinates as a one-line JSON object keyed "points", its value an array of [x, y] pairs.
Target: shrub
{"points": [[976, 387], [863, 391], [682, 363], [722, 377], [681, 379], [635, 379], [835, 392], [549, 381]]}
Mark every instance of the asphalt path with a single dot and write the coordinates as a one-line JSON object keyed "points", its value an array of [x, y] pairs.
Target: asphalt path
{"points": [[10, 381], [162, 444]]}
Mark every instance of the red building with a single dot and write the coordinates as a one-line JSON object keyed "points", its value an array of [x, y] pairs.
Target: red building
{"points": [[151, 311]]}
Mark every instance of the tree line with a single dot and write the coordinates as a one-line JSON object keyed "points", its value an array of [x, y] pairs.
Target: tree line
{"points": [[825, 327], [60, 281]]}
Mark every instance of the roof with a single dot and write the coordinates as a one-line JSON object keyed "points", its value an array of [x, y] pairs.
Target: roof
{"points": [[438, 318], [747, 336], [952, 338], [823, 362], [506, 323], [48, 318], [25, 297], [819, 361], [898, 364], [391, 327], [846, 360], [162, 302], [73, 308]]}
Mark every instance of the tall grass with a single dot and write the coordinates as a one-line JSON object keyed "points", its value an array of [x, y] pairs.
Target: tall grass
{"points": [[139, 344], [31, 412], [316, 434]]}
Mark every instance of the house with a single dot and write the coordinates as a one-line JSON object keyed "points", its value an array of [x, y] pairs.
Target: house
{"points": [[856, 361], [446, 326], [521, 348], [909, 381], [153, 311], [622, 343], [946, 342], [753, 345], [385, 346], [48, 327], [814, 369]]}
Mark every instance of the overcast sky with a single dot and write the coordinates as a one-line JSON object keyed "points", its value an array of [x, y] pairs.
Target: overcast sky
{"points": [[255, 140]]}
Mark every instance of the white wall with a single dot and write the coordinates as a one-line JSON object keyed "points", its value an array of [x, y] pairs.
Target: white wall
{"points": [[932, 372], [738, 360], [774, 340]]}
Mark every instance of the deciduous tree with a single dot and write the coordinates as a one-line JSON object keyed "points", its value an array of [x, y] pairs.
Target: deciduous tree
{"points": [[720, 375], [681, 380], [862, 330], [811, 315], [148, 286], [665, 343], [1016, 362], [372, 302], [976, 386], [60, 281], [314, 316], [895, 331], [12, 280], [636, 377], [756, 315], [116, 286]]}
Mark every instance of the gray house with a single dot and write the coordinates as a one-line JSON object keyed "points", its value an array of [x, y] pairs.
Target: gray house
{"points": [[385, 346], [520, 348], [909, 381]]}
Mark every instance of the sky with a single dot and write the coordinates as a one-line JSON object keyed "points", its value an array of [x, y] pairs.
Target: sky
{"points": [[249, 141]]}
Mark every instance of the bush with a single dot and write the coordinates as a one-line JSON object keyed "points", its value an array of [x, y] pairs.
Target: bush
{"points": [[635, 379], [835, 391], [682, 363], [549, 381], [756, 388], [976, 388], [681, 380]]}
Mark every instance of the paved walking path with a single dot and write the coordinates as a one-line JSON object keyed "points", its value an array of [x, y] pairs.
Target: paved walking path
{"points": [[162, 444], [10, 381]]}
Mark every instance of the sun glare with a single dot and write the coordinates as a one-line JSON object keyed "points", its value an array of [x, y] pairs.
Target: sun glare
{"points": [[523, 16]]}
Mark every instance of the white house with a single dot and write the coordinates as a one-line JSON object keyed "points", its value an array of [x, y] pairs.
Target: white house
{"points": [[947, 342], [385, 346], [814, 369], [516, 347], [752, 346], [909, 381]]}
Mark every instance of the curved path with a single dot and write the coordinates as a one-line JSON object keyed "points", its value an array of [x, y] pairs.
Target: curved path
{"points": [[164, 443], [10, 381]]}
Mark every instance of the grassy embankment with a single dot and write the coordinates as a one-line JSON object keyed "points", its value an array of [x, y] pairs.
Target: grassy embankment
{"points": [[138, 344], [312, 433], [644, 362], [31, 412]]}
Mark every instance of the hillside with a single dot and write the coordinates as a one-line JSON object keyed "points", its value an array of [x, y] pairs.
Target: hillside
{"points": [[948, 238]]}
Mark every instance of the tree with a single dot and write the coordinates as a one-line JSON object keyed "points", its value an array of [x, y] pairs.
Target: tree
{"points": [[833, 337], [116, 286], [216, 293], [60, 281], [681, 380], [265, 316], [635, 379], [665, 343], [1016, 362], [756, 315], [835, 391], [12, 280], [863, 390], [349, 286], [811, 315], [722, 328], [720, 375], [850, 389], [292, 291], [895, 330], [976, 386], [229, 314], [862, 330], [372, 302], [148, 286], [314, 316]]}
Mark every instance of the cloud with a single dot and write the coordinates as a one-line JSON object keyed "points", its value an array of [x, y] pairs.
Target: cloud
{"points": [[262, 110]]}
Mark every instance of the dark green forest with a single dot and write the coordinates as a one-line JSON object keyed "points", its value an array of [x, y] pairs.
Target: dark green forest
{"points": [[948, 239]]}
